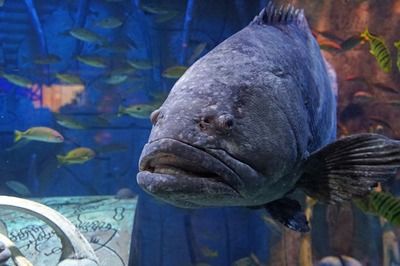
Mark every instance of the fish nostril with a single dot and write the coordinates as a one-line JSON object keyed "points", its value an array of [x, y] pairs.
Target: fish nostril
{"points": [[225, 121], [203, 125], [154, 116], [204, 122]]}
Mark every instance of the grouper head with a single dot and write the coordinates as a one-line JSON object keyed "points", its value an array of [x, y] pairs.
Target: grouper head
{"points": [[234, 127]]}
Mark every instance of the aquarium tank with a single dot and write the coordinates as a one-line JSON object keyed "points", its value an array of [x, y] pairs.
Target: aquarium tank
{"points": [[276, 146]]}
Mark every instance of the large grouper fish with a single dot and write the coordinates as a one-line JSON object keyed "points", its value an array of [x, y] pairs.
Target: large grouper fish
{"points": [[255, 119]]}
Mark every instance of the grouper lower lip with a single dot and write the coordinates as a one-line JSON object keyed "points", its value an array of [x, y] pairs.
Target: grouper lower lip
{"points": [[171, 169]]}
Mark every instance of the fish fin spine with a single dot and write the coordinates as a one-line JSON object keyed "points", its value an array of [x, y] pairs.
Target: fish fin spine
{"points": [[17, 135], [350, 167], [272, 15]]}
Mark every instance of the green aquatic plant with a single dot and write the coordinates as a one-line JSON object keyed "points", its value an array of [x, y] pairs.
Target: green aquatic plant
{"points": [[381, 204]]}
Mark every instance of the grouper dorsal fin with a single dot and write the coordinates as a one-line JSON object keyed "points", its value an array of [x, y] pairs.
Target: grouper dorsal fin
{"points": [[275, 16]]}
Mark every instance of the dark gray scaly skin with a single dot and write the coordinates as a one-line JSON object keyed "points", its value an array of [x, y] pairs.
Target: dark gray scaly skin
{"points": [[237, 125]]}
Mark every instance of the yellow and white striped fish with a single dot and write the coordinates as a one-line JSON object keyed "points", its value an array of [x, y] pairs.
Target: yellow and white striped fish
{"points": [[379, 50], [397, 45]]}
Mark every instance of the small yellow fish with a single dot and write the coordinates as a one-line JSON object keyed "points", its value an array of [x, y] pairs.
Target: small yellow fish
{"points": [[122, 70], [154, 10], [112, 148], [397, 45], [18, 80], [174, 72], [87, 35], [18, 188], [142, 111], [207, 252], [109, 23], [119, 47], [43, 134], [92, 60], [379, 50], [69, 78], [76, 156], [140, 64], [167, 16], [47, 59], [115, 79], [99, 121], [68, 122], [159, 96], [197, 51]]}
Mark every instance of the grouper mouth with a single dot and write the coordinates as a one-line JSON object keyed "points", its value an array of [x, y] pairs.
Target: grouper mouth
{"points": [[186, 175]]}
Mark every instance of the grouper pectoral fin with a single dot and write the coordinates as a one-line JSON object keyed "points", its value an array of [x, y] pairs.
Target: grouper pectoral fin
{"points": [[288, 212], [350, 167]]}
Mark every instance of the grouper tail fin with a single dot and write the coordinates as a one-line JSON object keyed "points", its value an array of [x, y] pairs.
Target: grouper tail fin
{"points": [[350, 167], [272, 15]]}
